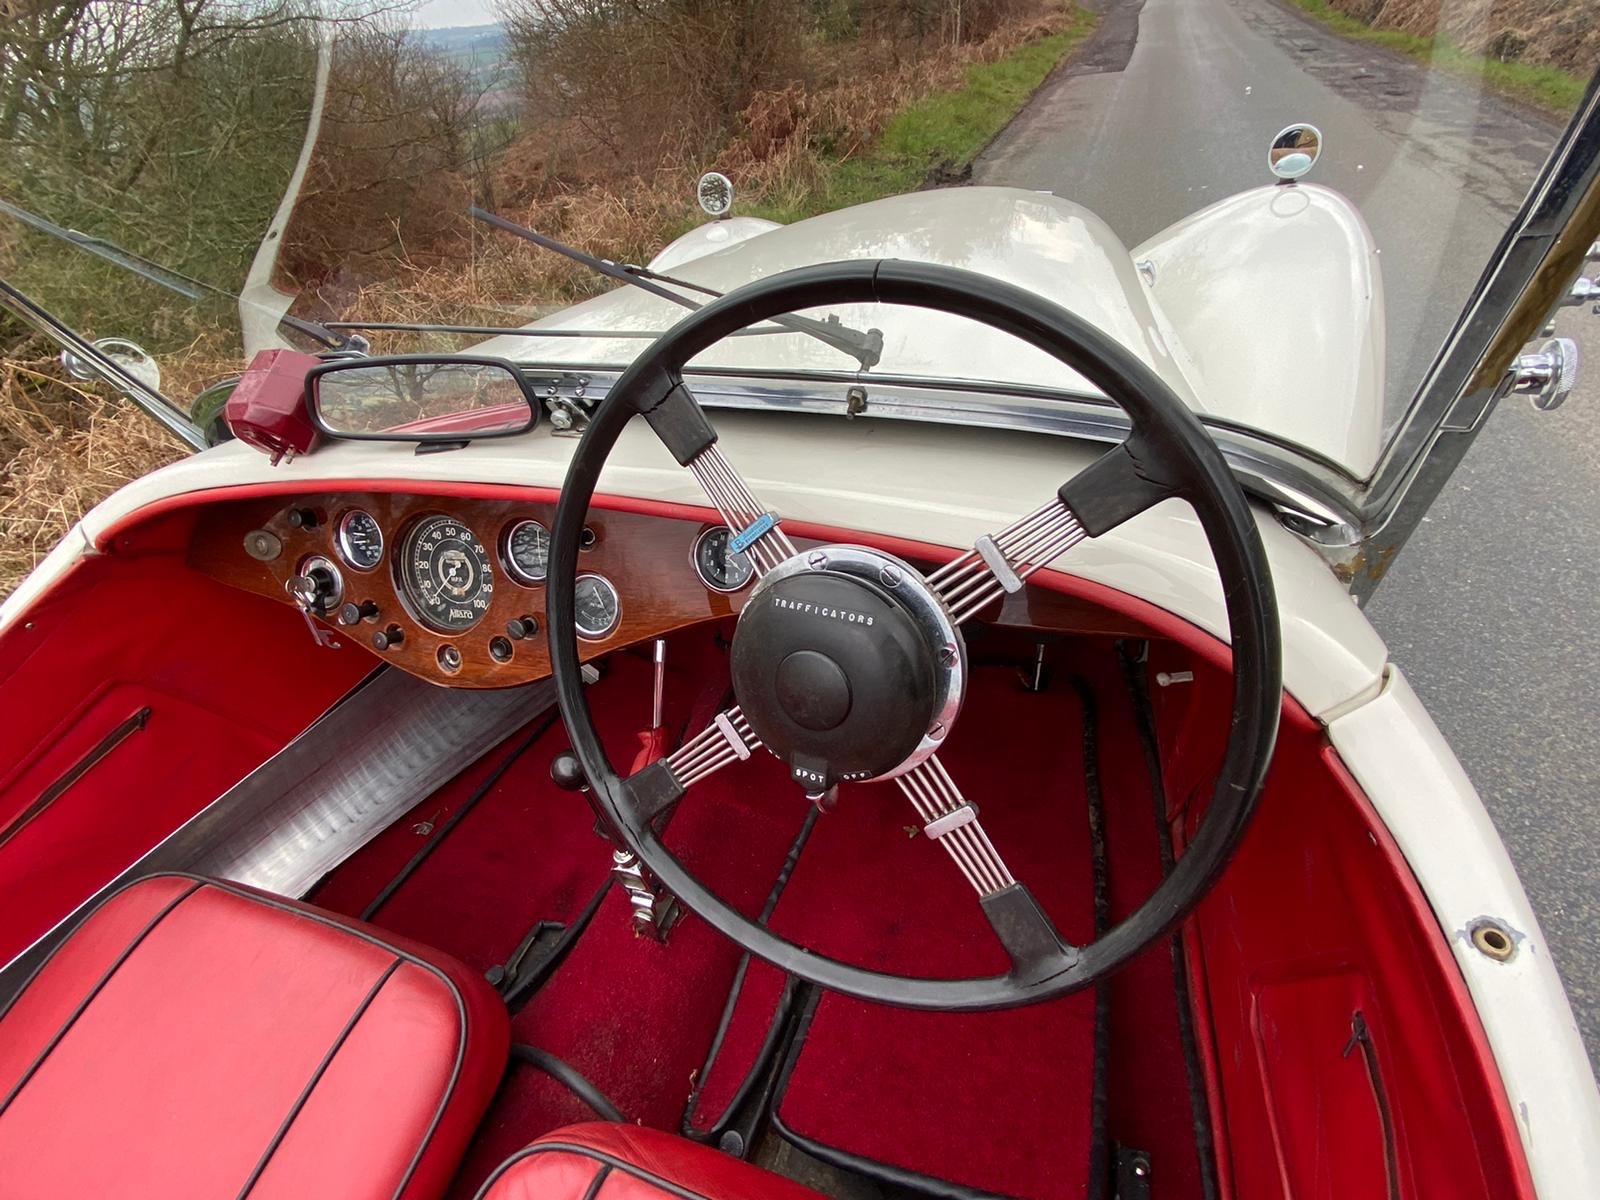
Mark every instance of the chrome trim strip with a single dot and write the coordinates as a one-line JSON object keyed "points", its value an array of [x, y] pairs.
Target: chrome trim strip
{"points": [[150, 401]]}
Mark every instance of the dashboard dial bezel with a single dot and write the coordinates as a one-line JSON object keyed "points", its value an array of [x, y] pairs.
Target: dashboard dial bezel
{"points": [[408, 584], [598, 635], [341, 540], [700, 574], [508, 559]]}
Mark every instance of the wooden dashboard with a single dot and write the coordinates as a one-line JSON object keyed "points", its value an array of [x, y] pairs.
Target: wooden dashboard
{"points": [[261, 545]]}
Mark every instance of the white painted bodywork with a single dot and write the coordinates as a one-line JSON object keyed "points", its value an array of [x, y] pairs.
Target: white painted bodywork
{"points": [[1299, 274], [1404, 765], [707, 239], [947, 485], [1312, 377], [940, 484], [1294, 261]]}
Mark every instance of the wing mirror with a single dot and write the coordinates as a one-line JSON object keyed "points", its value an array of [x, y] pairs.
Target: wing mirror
{"points": [[1294, 151], [418, 398]]}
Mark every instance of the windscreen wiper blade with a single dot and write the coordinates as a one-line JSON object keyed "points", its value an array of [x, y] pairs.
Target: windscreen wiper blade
{"points": [[866, 348], [174, 281]]}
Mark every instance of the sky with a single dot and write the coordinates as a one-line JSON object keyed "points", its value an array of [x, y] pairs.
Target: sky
{"points": [[436, 14]]}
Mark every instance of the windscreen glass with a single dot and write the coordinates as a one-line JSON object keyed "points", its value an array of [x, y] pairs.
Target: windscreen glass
{"points": [[1281, 204]]}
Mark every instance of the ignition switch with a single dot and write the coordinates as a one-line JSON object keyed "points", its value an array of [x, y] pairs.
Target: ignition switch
{"points": [[319, 587], [317, 591]]}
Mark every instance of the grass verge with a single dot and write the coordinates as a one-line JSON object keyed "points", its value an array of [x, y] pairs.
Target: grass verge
{"points": [[945, 131], [1549, 88]]}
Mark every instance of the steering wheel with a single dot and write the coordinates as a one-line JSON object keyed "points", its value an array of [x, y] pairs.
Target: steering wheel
{"points": [[849, 663]]}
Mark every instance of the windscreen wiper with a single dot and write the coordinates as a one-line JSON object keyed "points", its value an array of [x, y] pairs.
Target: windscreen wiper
{"points": [[174, 281], [866, 348]]}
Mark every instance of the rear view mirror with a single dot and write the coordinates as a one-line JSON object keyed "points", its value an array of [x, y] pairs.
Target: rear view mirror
{"points": [[416, 398]]}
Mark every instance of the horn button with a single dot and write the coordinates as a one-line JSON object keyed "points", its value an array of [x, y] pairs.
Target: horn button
{"points": [[846, 666]]}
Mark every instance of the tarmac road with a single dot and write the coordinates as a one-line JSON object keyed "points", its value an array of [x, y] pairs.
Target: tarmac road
{"points": [[1493, 609]]}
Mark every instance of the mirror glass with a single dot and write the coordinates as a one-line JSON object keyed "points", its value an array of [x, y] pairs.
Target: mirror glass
{"points": [[1294, 151], [415, 399]]}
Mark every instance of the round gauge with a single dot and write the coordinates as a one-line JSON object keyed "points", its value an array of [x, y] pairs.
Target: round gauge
{"points": [[360, 539], [445, 574], [720, 568], [526, 552], [596, 605]]}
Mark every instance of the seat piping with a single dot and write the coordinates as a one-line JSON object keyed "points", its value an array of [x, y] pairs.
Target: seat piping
{"points": [[296, 910], [83, 1005], [601, 1156], [316, 1078]]}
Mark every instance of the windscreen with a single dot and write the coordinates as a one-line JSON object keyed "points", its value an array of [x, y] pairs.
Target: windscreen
{"points": [[184, 178]]}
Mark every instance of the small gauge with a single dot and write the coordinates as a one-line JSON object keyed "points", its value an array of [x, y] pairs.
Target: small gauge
{"points": [[596, 606], [525, 550], [360, 539], [719, 568]]}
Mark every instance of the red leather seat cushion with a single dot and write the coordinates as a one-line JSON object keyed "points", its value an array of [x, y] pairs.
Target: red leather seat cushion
{"points": [[633, 1163], [196, 1039]]}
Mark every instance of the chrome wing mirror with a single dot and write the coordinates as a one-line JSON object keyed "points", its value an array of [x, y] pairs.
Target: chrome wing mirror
{"points": [[1294, 151]]}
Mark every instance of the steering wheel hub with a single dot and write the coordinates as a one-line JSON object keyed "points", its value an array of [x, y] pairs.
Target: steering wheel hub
{"points": [[847, 666]]}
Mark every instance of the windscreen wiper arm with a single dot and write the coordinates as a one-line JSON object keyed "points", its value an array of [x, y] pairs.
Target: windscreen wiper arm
{"points": [[174, 281], [866, 348]]}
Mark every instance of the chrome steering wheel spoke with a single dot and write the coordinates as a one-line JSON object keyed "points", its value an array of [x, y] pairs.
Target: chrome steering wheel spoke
{"points": [[999, 563], [756, 532], [726, 740], [672, 411], [949, 818]]}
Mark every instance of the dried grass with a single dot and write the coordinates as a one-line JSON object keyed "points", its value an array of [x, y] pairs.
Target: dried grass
{"points": [[66, 446], [1552, 33]]}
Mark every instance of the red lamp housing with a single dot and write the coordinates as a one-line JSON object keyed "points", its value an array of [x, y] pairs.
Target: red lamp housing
{"points": [[268, 407]]}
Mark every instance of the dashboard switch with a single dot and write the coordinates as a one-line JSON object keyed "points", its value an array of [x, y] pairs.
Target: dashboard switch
{"points": [[388, 639], [303, 518], [352, 613], [522, 627]]}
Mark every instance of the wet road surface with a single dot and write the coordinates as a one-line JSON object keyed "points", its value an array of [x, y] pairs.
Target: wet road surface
{"points": [[1492, 609]]}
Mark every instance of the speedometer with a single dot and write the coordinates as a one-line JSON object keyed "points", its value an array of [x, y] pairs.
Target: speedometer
{"points": [[445, 574]]}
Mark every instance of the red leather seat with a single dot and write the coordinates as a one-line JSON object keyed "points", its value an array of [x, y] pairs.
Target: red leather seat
{"points": [[196, 1039], [628, 1162]]}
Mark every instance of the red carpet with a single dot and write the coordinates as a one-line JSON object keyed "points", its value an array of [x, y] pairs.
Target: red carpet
{"points": [[997, 1102]]}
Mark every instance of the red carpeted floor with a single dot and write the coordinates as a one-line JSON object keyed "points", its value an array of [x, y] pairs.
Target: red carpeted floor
{"points": [[997, 1102], [1000, 1102]]}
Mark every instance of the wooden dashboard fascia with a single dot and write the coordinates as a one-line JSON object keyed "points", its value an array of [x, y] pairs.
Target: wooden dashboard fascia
{"points": [[648, 557]]}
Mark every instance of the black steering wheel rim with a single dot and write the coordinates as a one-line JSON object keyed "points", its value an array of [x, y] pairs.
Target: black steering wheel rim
{"points": [[1165, 429]]}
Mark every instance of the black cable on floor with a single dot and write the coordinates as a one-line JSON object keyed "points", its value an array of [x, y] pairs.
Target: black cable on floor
{"points": [[1200, 1109], [770, 1042], [575, 1080], [1099, 1182], [455, 818]]}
